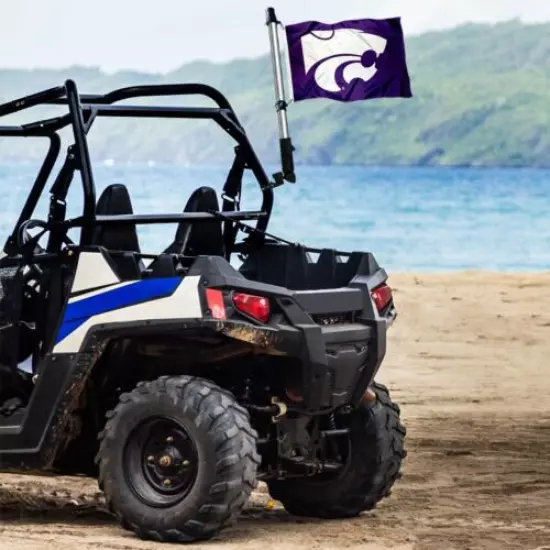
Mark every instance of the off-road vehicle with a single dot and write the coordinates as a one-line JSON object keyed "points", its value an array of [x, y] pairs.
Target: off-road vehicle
{"points": [[177, 379]]}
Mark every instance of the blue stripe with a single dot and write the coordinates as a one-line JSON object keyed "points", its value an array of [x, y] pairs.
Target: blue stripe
{"points": [[67, 327], [79, 312]]}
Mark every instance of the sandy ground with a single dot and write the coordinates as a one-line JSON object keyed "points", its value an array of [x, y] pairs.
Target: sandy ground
{"points": [[469, 362]]}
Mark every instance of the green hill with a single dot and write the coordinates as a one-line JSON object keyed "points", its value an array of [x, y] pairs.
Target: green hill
{"points": [[481, 98]]}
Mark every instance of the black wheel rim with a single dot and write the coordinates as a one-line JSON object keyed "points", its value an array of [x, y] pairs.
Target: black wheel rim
{"points": [[160, 462]]}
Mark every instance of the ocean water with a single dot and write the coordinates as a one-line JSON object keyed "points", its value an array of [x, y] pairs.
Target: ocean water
{"points": [[413, 219]]}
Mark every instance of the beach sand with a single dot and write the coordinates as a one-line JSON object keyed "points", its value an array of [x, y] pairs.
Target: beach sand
{"points": [[469, 362]]}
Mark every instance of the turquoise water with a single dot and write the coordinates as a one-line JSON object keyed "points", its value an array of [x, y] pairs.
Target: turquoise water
{"points": [[412, 218]]}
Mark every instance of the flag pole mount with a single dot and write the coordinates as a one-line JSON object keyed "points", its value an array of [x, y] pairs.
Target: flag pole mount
{"points": [[285, 142]]}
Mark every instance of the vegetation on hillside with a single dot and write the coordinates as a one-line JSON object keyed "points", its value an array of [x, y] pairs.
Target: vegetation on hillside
{"points": [[481, 98]]}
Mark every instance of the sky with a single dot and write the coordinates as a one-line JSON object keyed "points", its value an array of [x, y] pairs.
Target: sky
{"points": [[161, 35]]}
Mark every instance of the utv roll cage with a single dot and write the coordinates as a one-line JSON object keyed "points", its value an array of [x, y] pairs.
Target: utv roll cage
{"points": [[83, 111]]}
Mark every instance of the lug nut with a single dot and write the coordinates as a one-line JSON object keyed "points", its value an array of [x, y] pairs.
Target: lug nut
{"points": [[165, 461], [151, 459], [167, 483], [170, 439], [185, 463]]}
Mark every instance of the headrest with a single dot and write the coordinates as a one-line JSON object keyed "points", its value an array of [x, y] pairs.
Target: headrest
{"points": [[115, 200]]}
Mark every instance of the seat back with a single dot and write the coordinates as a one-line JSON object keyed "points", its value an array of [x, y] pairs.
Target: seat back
{"points": [[115, 200], [200, 238]]}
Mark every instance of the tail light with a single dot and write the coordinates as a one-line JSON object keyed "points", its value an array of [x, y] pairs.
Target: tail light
{"points": [[214, 299], [255, 306], [382, 296]]}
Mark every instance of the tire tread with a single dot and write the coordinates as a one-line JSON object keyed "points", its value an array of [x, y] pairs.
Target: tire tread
{"points": [[368, 488], [237, 458]]}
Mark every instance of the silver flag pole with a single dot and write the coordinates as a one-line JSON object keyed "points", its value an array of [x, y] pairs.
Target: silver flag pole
{"points": [[285, 142]]}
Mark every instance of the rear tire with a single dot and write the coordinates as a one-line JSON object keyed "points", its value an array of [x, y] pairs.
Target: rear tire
{"points": [[373, 466], [177, 459]]}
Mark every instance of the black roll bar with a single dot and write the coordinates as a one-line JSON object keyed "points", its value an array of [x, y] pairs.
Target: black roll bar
{"points": [[151, 219], [83, 154], [151, 90], [83, 110], [26, 102]]}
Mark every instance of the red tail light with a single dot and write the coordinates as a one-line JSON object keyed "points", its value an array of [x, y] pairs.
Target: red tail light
{"points": [[382, 296], [214, 299], [255, 306]]}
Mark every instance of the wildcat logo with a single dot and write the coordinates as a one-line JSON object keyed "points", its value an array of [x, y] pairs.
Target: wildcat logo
{"points": [[337, 57]]}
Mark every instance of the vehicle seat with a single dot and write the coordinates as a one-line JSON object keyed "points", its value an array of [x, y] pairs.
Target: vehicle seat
{"points": [[115, 200], [199, 238]]}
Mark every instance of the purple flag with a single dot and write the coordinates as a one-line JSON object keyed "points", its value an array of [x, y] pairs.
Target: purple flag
{"points": [[348, 61]]}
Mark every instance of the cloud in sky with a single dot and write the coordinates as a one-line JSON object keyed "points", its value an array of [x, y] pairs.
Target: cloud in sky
{"points": [[160, 35]]}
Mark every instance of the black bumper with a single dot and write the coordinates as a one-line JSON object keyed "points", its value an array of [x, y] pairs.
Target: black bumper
{"points": [[340, 360]]}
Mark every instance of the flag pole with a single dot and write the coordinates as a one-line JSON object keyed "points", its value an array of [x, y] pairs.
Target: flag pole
{"points": [[285, 142]]}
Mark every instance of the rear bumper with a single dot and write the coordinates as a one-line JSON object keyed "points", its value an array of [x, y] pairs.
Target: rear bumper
{"points": [[339, 361]]}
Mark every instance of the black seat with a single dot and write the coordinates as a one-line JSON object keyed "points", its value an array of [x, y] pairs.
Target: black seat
{"points": [[115, 200], [199, 238], [202, 238]]}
